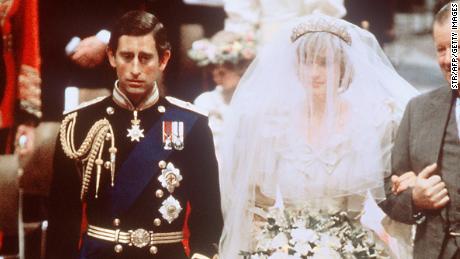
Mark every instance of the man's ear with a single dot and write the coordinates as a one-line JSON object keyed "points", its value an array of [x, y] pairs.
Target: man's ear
{"points": [[111, 56], [164, 60]]}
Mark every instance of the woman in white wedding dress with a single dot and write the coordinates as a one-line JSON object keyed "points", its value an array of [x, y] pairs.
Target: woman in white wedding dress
{"points": [[314, 116]]}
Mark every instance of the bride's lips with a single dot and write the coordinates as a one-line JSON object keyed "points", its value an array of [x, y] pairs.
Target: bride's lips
{"points": [[317, 84]]}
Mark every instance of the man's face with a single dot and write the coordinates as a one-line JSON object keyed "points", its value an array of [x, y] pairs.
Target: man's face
{"points": [[227, 78], [441, 35], [138, 65]]}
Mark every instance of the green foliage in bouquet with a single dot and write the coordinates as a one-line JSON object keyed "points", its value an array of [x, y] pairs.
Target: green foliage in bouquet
{"points": [[294, 233]]}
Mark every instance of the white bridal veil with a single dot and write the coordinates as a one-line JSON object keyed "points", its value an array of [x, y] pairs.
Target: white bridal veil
{"points": [[314, 116]]}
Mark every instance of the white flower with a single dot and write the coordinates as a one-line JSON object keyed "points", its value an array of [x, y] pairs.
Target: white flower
{"points": [[330, 241], [211, 52], [302, 249], [303, 235], [282, 255], [237, 46], [200, 44], [349, 248], [325, 252], [279, 241], [248, 53], [263, 243]]}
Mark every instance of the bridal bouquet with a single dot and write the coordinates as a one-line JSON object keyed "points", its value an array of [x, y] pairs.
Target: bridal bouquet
{"points": [[294, 233]]}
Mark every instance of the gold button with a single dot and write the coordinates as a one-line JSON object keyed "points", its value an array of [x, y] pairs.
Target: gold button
{"points": [[153, 250], [107, 165], [116, 222], [157, 222], [162, 164], [118, 248], [159, 193], [110, 110], [161, 109]]}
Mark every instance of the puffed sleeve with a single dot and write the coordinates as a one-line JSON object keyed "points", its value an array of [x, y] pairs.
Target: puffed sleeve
{"points": [[333, 8], [243, 16]]}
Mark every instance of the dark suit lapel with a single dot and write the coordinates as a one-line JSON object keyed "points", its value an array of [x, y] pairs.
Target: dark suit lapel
{"points": [[438, 115]]}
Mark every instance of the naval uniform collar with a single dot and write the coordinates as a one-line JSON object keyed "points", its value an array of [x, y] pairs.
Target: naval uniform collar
{"points": [[123, 101]]}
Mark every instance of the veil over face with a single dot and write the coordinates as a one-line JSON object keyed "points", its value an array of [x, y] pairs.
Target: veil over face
{"points": [[314, 116]]}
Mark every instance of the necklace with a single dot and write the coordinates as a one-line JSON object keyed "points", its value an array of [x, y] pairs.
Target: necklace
{"points": [[135, 132]]}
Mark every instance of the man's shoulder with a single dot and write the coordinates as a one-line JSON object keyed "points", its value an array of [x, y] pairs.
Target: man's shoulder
{"points": [[431, 95], [186, 106], [88, 105]]}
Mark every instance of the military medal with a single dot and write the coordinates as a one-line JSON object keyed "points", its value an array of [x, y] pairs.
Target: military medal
{"points": [[170, 209], [170, 177], [173, 135], [135, 132]]}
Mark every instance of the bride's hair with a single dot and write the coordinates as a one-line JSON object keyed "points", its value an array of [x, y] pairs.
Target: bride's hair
{"points": [[313, 45]]}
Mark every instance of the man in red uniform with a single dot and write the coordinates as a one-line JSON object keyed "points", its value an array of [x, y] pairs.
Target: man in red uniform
{"points": [[20, 105]]}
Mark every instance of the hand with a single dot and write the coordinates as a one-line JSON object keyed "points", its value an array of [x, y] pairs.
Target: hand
{"points": [[25, 139], [402, 182], [89, 53], [429, 191]]}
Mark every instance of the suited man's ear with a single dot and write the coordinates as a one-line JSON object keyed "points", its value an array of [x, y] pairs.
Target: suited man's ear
{"points": [[111, 57]]}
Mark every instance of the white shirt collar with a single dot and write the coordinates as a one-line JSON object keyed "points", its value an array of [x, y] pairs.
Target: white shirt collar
{"points": [[123, 101]]}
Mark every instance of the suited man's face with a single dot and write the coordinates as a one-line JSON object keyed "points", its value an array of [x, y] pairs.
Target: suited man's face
{"points": [[441, 35], [138, 65]]}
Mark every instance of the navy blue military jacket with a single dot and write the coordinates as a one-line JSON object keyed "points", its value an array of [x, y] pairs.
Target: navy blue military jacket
{"points": [[198, 186]]}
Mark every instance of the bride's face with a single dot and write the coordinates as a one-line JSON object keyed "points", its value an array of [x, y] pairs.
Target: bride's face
{"points": [[320, 75]]}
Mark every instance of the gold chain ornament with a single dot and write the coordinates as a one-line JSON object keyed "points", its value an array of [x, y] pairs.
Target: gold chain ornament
{"points": [[90, 151]]}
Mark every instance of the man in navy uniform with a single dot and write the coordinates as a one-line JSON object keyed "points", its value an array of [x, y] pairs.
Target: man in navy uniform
{"points": [[136, 160]]}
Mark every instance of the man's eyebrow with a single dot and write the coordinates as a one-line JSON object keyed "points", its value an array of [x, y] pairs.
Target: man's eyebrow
{"points": [[146, 53]]}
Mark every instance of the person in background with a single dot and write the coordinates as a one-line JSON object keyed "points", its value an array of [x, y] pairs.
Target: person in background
{"points": [[226, 56], [20, 85], [20, 104]]}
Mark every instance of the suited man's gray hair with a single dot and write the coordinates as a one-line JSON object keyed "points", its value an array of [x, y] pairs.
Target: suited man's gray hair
{"points": [[444, 13]]}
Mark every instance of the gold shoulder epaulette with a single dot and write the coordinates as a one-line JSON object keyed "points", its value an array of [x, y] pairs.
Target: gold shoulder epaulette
{"points": [[186, 105], [85, 104]]}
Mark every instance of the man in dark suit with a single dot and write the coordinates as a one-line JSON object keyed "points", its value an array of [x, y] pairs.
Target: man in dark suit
{"points": [[137, 160], [427, 146]]}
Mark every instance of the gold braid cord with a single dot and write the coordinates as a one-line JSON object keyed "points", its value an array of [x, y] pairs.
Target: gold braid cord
{"points": [[90, 152]]}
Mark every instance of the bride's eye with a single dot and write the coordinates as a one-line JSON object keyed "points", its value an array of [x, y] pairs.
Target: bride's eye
{"points": [[321, 61]]}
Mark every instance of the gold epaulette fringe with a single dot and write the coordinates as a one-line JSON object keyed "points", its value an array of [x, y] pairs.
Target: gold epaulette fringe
{"points": [[90, 151]]}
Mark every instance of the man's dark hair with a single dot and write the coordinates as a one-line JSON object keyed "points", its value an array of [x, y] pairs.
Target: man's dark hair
{"points": [[140, 23]]}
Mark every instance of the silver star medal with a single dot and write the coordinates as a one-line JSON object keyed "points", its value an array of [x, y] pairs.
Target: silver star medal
{"points": [[170, 209], [135, 132]]}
